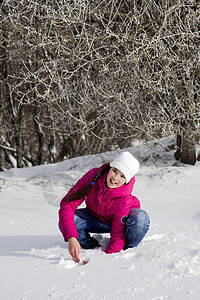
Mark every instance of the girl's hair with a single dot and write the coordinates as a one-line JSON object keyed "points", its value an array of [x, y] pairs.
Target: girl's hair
{"points": [[84, 192]]}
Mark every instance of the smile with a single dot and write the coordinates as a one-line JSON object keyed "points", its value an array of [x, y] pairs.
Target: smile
{"points": [[112, 182]]}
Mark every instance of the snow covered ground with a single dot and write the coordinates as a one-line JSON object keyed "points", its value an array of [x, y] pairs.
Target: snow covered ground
{"points": [[34, 261]]}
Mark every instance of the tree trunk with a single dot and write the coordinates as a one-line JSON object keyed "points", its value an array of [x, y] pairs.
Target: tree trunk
{"points": [[186, 151], [188, 154], [40, 135], [18, 139], [177, 154]]}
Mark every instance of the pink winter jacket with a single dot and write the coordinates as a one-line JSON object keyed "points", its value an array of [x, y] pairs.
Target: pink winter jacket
{"points": [[109, 205]]}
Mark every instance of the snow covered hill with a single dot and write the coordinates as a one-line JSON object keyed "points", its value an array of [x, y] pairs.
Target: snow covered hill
{"points": [[34, 261]]}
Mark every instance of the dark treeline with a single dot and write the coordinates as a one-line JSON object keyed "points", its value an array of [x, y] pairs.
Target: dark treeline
{"points": [[83, 77]]}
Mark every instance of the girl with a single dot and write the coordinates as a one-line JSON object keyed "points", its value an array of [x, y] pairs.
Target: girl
{"points": [[110, 208]]}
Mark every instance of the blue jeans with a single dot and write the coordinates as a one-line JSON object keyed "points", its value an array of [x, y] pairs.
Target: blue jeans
{"points": [[137, 225]]}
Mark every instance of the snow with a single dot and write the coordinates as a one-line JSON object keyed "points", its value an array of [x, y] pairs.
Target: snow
{"points": [[34, 261]]}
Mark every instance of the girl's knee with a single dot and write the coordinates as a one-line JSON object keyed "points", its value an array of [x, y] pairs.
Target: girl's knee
{"points": [[144, 216], [138, 216]]}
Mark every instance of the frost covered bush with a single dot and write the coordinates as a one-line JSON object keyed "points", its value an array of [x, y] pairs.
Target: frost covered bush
{"points": [[81, 77]]}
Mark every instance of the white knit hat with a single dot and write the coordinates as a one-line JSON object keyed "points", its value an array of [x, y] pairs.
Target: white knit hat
{"points": [[127, 164]]}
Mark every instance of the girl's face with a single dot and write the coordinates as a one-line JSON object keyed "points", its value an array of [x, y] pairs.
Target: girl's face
{"points": [[115, 178]]}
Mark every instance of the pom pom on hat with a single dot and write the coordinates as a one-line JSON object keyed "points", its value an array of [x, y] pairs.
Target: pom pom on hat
{"points": [[127, 164]]}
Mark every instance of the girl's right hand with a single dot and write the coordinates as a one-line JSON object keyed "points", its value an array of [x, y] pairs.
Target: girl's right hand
{"points": [[74, 249]]}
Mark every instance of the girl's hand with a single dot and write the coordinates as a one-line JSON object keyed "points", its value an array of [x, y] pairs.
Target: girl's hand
{"points": [[74, 249]]}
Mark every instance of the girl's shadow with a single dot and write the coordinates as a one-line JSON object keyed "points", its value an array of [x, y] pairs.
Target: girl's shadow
{"points": [[28, 245]]}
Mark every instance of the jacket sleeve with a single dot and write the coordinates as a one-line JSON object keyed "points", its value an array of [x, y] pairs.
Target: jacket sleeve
{"points": [[117, 239], [67, 209]]}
